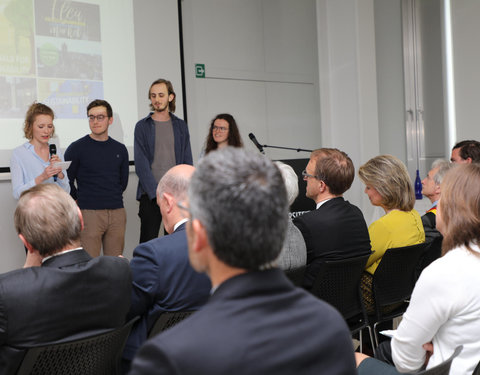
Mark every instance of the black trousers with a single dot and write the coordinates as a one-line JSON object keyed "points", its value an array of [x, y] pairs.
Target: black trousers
{"points": [[150, 218]]}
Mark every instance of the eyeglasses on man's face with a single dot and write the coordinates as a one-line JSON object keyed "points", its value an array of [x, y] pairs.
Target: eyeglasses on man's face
{"points": [[92, 118], [306, 175], [220, 129], [185, 208]]}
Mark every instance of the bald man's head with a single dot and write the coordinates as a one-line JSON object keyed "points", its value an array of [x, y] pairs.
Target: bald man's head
{"points": [[173, 189]]}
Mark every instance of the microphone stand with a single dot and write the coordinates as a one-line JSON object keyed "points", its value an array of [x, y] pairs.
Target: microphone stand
{"points": [[287, 148]]}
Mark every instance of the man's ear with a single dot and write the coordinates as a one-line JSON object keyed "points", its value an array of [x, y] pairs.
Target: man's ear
{"points": [[80, 216], [26, 243], [170, 201], [322, 186], [200, 239]]}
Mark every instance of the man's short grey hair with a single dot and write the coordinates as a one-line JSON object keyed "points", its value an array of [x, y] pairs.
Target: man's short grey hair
{"points": [[291, 181], [443, 167], [241, 200], [174, 184], [48, 218]]}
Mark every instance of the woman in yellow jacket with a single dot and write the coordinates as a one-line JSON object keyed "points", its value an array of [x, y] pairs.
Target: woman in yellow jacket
{"points": [[388, 185]]}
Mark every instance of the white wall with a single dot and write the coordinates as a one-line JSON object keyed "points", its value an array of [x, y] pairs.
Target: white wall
{"points": [[348, 85], [261, 67], [466, 51]]}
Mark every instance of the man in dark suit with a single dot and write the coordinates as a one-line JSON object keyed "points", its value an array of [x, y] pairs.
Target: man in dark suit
{"points": [[336, 229], [163, 279], [62, 292], [256, 321]]}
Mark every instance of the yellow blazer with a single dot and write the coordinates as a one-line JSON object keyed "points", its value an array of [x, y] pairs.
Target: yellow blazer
{"points": [[395, 229]]}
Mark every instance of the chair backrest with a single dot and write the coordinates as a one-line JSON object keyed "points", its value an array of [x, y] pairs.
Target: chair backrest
{"points": [[167, 320], [296, 275], [95, 355], [432, 251], [444, 367], [338, 283], [394, 278]]}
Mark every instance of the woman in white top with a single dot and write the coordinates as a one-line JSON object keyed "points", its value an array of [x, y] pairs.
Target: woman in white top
{"points": [[444, 310], [31, 163]]}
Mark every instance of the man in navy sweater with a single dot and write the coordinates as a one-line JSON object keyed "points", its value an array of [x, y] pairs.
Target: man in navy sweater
{"points": [[98, 177]]}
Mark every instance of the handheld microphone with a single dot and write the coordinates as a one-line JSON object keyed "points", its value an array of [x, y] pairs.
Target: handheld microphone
{"points": [[53, 151], [255, 142]]}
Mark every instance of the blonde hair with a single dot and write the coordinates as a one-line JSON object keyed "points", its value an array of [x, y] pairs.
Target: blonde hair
{"points": [[460, 207], [389, 176], [33, 111]]}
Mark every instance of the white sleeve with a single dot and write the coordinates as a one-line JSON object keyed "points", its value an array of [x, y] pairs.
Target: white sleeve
{"points": [[430, 307]]}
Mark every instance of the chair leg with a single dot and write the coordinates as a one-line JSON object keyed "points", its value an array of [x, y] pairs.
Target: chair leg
{"points": [[376, 334], [374, 348], [360, 337]]}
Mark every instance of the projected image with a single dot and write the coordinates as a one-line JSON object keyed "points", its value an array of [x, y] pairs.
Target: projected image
{"points": [[62, 55], [15, 95], [17, 52], [69, 98], [59, 58], [67, 19]]}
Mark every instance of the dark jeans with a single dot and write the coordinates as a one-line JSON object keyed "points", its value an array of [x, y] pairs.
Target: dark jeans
{"points": [[150, 218]]}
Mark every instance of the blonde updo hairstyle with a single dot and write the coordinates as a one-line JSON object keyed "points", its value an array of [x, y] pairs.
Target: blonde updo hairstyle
{"points": [[389, 176]]}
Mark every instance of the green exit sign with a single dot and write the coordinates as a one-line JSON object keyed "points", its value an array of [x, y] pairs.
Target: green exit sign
{"points": [[200, 70]]}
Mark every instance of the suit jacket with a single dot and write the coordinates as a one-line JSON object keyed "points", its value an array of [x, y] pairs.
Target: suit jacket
{"points": [[336, 230], [71, 295], [429, 222], [163, 280], [254, 323]]}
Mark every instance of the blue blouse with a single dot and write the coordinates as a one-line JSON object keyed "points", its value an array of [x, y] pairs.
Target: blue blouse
{"points": [[26, 165]]}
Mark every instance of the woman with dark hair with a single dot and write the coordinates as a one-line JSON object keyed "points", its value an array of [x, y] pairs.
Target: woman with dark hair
{"points": [[388, 185], [31, 163], [444, 310], [223, 132]]}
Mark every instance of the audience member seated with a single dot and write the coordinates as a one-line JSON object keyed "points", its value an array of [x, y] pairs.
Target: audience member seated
{"points": [[223, 132], [388, 185], [62, 291], [294, 251], [466, 152], [336, 229], [163, 279], [431, 190], [256, 321], [444, 310]]}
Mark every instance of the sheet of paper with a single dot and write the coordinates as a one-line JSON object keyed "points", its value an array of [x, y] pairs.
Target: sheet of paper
{"points": [[62, 164], [388, 332]]}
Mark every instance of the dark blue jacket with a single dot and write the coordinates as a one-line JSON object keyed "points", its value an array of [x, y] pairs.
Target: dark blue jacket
{"points": [[144, 149], [163, 280], [254, 323]]}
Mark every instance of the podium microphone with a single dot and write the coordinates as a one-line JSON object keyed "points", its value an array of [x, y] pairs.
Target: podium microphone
{"points": [[255, 142], [53, 151]]}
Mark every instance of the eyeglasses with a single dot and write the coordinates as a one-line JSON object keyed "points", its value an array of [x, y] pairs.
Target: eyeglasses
{"points": [[185, 208], [221, 129], [92, 118], [305, 175]]}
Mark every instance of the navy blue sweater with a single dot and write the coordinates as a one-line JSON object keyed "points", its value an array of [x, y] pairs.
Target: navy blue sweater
{"points": [[100, 170]]}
